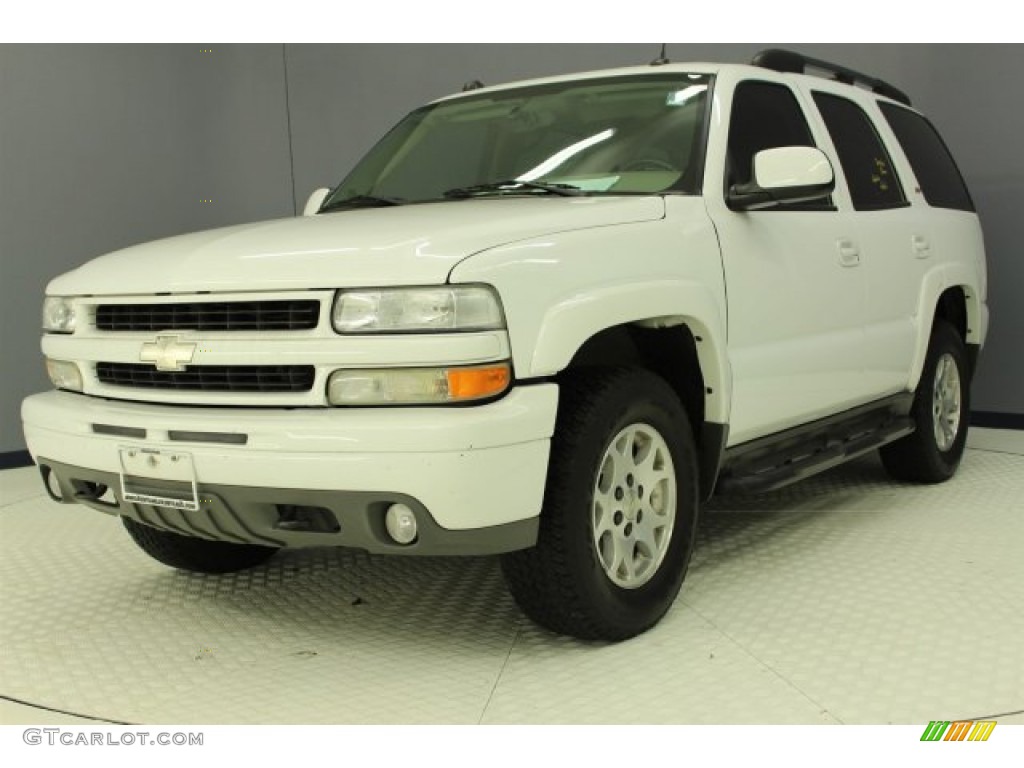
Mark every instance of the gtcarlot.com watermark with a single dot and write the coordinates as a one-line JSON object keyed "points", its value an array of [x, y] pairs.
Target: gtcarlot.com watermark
{"points": [[75, 738]]}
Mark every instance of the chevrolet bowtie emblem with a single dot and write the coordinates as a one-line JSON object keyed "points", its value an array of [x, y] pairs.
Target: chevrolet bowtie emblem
{"points": [[167, 353]]}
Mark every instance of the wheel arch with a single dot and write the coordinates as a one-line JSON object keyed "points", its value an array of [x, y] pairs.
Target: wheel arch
{"points": [[948, 295], [603, 315], [670, 348]]}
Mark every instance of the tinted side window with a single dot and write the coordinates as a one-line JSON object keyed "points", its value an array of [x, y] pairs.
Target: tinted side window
{"points": [[764, 115], [869, 173], [936, 172]]}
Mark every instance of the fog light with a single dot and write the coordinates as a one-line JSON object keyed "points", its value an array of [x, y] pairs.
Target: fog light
{"points": [[401, 523], [64, 374]]}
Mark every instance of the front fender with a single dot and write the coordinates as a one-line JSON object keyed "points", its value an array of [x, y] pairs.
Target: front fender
{"points": [[566, 326], [560, 290]]}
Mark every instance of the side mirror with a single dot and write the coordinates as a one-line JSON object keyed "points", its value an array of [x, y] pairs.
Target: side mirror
{"points": [[315, 201], [784, 175]]}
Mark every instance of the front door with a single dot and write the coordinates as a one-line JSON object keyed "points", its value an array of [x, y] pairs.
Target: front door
{"points": [[794, 284]]}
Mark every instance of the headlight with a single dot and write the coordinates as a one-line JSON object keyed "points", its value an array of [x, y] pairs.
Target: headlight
{"points": [[64, 374], [58, 315], [405, 310], [417, 386]]}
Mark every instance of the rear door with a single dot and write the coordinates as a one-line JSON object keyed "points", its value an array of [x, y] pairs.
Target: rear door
{"points": [[942, 230], [892, 247]]}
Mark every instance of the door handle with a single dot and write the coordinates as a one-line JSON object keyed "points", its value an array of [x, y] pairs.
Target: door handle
{"points": [[921, 247], [849, 253]]}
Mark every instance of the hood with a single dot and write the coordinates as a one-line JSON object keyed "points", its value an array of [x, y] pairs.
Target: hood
{"points": [[404, 245]]}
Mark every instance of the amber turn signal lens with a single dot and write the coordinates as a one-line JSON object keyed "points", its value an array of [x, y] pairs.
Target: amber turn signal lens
{"points": [[476, 383]]}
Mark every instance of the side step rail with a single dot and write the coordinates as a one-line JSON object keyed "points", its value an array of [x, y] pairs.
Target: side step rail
{"points": [[778, 460]]}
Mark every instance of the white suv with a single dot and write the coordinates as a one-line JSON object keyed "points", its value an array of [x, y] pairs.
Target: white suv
{"points": [[545, 320]]}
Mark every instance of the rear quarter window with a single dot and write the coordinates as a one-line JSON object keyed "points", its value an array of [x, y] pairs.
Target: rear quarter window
{"points": [[940, 180]]}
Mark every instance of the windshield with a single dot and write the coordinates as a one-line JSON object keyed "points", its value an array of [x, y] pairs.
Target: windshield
{"points": [[624, 135]]}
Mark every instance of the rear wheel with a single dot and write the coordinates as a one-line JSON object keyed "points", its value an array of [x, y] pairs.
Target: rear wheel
{"points": [[192, 554], [620, 509], [940, 413]]}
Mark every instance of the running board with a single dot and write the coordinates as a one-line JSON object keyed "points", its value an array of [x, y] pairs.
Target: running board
{"points": [[778, 460]]}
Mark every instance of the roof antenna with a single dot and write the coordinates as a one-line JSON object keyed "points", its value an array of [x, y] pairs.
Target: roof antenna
{"points": [[662, 58], [472, 85]]}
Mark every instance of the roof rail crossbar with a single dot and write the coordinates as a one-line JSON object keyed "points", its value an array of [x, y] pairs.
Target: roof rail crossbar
{"points": [[782, 60]]}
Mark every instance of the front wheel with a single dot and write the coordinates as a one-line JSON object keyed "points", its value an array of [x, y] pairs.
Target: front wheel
{"points": [[941, 410], [620, 509]]}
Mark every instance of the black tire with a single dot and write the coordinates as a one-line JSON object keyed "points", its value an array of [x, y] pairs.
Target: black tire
{"points": [[919, 457], [192, 554], [561, 583]]}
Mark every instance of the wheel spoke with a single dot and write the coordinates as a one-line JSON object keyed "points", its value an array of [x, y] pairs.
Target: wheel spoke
{"points": [[659, 479], [619, 562], [622, 460], [660, 497], [643, 452], [602, 519], [653, 470], [651, 459], [646, 538]]}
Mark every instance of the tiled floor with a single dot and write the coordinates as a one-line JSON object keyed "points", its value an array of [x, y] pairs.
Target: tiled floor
{"points": [[846, 599]]}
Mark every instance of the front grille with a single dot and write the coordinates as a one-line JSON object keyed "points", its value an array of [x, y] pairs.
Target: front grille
{"points": [[288, 315], [210, 378]]}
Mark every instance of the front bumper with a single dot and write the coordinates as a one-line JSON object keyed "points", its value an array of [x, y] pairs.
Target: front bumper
{"points": [[474, 476]]}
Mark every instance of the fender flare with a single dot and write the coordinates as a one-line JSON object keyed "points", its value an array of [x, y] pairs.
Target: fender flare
{"points": [[568, 324], [935, 283]]}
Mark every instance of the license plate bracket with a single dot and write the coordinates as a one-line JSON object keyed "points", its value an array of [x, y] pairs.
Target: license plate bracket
{"points": [[158, 477]]}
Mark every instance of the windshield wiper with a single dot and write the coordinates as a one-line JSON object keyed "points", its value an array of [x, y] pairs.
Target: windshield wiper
{"points": [[512, 186], [362, 200]]}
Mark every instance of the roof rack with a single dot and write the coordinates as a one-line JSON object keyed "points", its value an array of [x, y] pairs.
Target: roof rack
{"points": [[782, 60]]}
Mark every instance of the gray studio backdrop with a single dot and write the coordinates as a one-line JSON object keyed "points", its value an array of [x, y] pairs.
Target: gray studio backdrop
{"points": [[102, 146]]}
